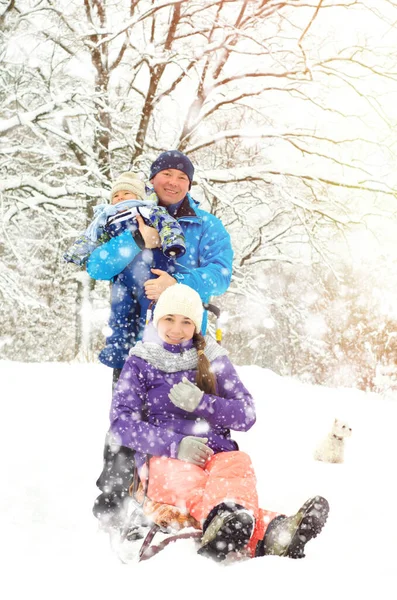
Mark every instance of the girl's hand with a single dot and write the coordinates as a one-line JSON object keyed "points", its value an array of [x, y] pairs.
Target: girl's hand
{"points": [[186, 395], [194, 450]]}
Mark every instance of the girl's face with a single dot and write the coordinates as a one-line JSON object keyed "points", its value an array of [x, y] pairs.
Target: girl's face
{"points": [[175, 329]]}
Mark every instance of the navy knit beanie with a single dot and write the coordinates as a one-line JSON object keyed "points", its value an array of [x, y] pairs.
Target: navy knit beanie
{"points": [[172, 159]]}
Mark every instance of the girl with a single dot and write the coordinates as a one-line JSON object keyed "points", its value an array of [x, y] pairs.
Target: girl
{"points": [[177, 399]]}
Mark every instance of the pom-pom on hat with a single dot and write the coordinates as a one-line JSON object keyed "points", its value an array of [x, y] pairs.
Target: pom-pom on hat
{"points": [[172, 159], [179, 299], [129, 182]]}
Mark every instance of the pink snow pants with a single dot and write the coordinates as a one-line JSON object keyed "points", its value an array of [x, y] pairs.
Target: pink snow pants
{"points": [[227, 476]]}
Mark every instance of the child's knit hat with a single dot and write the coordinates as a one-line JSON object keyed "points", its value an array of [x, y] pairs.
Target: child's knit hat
{"points": [[129, 182], [179, 299], [172, 159]]}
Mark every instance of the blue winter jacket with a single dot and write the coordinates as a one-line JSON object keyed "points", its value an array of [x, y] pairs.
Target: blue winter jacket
{"points": [[206, 266]]}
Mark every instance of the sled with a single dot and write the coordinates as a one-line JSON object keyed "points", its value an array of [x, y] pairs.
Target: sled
{"points": [[145, 519], [147, 550]]}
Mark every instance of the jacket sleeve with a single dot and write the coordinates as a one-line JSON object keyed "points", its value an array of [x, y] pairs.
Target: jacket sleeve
{"points": [[127, 416], [233, 407], [111, 258], [213, 274], [80, 250], [170, 232]]}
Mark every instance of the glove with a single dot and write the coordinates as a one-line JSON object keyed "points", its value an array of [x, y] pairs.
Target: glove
{"points": [[185, 395], [194, 450]]}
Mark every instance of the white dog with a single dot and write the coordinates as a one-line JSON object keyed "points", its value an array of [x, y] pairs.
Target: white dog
{"points": [[332, 449]]}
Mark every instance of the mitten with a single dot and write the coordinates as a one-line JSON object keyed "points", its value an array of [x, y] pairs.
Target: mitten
{"points": [[186, 395], [194, 450]]}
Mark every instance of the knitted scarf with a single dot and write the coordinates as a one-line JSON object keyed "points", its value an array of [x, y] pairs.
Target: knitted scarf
{"points": [[171, 362]]}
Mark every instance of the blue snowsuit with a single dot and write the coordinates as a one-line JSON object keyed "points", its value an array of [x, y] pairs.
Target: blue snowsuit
{"points": [[111, 220], [129, 303], [206, 267]]}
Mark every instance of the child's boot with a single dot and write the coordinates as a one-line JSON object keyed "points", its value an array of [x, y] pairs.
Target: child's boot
{"points": [[287, 536], [228, 528]]}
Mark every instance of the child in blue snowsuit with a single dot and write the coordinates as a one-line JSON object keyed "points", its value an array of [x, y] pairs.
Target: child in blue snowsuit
{"points": [[129, 304]]}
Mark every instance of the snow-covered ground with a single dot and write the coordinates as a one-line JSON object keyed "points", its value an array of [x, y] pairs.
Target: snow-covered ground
{"points": [[53, 427]]}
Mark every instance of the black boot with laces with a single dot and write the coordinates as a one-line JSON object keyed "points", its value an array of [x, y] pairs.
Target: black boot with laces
{"points": [[228, 528], [287, 536]]}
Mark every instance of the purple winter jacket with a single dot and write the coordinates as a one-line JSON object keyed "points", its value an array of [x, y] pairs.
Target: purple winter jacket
{"points": [[144, 418]]}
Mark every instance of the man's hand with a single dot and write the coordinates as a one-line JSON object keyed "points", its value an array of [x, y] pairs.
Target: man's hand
{"points": [[154, 287], [149, 234], [194, 450], [185, 395]]}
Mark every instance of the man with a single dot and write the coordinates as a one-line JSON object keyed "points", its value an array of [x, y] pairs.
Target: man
{"points": [[206, 266]]}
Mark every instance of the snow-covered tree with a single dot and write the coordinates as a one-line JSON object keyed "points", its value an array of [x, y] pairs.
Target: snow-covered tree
{"points": [[287, 116]]}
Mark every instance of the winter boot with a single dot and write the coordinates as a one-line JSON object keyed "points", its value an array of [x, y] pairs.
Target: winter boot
{"points": [[287, 536], [228, 528], [110, 510], [114, 482]]}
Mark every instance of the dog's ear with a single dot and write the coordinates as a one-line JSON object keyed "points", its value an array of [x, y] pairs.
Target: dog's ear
{"points": [[336, 421]]}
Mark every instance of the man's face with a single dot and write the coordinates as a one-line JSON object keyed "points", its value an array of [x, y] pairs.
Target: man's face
{"points": [[171, 186]]}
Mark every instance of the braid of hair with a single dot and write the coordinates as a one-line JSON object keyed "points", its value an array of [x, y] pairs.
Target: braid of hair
{"points": [[205, 378]]}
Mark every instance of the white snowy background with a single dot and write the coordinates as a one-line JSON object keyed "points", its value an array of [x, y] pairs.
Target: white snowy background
{"points": [[338, 124], [55, 416]]}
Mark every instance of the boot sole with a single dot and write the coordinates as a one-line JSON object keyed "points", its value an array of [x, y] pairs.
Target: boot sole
{"points": [[233, 534], [314, 516]]}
